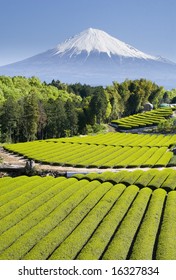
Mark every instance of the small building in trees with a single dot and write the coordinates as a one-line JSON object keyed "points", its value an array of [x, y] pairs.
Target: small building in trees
{"points": [[148, 106], [164, 105]]}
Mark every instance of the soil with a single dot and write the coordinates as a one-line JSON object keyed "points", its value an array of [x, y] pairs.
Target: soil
{"points": [[11, 159]]}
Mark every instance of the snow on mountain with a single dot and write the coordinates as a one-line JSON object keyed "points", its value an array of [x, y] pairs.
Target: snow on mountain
{"points": [[96, 58], [92, 40]]}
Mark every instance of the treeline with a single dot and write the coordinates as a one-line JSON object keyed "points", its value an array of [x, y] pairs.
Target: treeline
{"points": [[31, 109]]}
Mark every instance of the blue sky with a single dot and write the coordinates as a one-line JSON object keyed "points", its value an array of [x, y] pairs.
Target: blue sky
{"points": [[29, 27]]}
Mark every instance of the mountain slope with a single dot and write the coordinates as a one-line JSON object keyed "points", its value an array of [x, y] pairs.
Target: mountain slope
{"points": [[92, 40], [94, 57]]}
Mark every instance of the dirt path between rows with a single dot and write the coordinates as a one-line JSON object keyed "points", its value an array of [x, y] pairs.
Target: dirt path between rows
{"points": [[11, 159]]}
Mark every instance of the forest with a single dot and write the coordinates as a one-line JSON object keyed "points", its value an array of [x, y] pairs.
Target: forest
{"points": [[34, 110]]}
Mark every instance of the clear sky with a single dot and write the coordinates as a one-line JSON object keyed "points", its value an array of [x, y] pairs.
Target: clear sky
{"points": [[29, 27]]}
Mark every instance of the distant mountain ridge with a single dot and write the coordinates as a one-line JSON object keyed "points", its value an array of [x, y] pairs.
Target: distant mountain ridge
{"points": [[94, 57]]}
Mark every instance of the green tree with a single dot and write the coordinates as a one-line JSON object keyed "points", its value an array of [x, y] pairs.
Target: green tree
{"points": [[9, 120], [71, 124], [30, 116], [61, 118], [98, 105], [56, 118], [42, 120], [116, 102], [167, 126]]}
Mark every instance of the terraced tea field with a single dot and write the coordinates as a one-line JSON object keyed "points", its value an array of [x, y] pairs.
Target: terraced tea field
{"points": [[111, 150], [143, 119], [123, 215]]}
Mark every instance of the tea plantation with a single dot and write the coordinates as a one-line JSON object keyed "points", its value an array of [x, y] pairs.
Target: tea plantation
{"points": [[140, 120], [109, 216], [111, 150]]}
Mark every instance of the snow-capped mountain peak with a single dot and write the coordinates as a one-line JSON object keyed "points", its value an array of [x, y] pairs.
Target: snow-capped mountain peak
{"points": [[95, 40], [96, 58]]}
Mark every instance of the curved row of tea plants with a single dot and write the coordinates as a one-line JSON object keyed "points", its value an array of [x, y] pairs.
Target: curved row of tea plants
{"points": [[143, 119], [94, 156], [151, 178], [108, 139], [121, 139], [105, 217], [103, 151]]}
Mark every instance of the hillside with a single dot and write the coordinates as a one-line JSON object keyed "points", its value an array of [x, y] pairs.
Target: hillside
{"points": [[89, 218], [35, 110], [145, 119], [111, 150], [123, 209]]}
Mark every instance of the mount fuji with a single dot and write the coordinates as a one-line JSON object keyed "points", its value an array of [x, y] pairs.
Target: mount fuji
{"points": [[96, 58]]}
